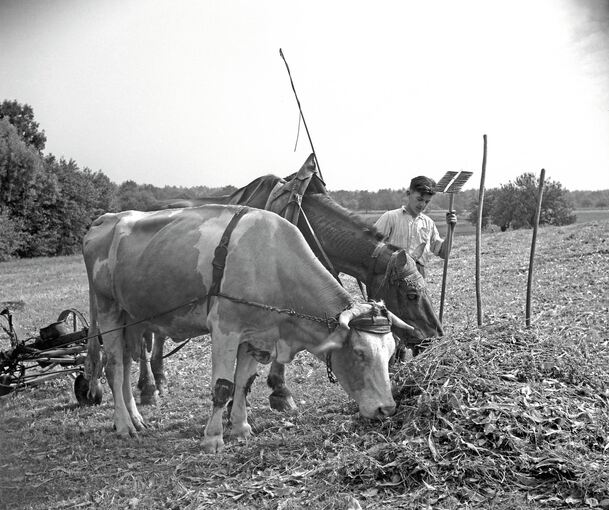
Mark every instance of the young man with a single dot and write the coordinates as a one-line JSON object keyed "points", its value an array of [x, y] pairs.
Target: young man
{"points": [[407, 227]]}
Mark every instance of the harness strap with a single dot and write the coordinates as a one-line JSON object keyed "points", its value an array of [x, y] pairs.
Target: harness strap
{"points": [[219, 261], [329, 264], [373, 259]]}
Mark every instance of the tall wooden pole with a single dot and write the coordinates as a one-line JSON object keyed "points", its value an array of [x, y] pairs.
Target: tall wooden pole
{"points": [[479, 234], [535, 227]]}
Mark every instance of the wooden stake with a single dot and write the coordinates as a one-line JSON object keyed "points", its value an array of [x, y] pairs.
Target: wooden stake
{"points": [[535, 226], [479, 234]]}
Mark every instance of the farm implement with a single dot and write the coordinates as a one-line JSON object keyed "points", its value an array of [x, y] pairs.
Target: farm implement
{"points": [[58, 350]]}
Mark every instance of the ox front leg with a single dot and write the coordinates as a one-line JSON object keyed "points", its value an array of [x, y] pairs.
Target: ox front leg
{"points": [[223, 358], [281, 398], [244, 377]]}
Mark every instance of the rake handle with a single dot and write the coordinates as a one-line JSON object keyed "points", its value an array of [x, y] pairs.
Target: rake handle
{"points": [[449, 238]]}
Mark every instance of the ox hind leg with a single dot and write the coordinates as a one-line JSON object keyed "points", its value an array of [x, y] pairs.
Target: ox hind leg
{"points": [[223, 358], [152, 381], [281, 398], [244, 377], [127, 419], [157, 363], [146, 381]]}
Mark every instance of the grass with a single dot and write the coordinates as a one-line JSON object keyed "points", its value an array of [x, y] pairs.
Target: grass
{"points": [[500, 416]]}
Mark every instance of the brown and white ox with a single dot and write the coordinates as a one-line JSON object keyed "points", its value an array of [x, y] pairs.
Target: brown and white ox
{"points": [[152, 271]]}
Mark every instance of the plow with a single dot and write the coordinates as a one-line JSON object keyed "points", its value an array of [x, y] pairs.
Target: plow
{"points": [[59, 350]]}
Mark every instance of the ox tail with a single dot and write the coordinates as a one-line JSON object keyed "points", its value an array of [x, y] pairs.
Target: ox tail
{"points": [[93, 362]]}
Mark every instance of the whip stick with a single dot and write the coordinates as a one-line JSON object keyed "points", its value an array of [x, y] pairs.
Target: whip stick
{"points": [[535, 226], [479, 234], [301, 114]]}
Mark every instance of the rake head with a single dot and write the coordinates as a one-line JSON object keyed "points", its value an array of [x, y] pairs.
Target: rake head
{"points": [[453, 182]]}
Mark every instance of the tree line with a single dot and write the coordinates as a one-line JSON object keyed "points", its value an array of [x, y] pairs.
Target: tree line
{"points": [[47, 204]]}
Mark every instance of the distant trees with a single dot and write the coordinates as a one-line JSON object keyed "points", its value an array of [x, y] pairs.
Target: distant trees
{"points": [[514, 204], [22, 117], [45, 205]]}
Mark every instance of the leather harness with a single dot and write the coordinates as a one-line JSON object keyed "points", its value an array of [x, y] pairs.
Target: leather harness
{"points": [[219, 261]]}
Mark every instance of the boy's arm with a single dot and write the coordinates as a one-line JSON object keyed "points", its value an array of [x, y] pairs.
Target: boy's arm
{"points": [[383, 224], [446, 246]]}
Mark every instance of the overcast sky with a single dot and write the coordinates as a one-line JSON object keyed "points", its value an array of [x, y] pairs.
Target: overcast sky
{"points": [[194, 92]]}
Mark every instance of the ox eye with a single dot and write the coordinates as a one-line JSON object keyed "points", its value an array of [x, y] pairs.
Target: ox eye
{"points": [[359, 354], [412, 296]]}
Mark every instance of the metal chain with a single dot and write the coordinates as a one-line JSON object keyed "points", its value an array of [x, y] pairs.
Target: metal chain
{"points": [[330, 322]]}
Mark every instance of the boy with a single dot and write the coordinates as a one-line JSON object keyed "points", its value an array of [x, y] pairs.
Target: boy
{"points": [[407, 227]]}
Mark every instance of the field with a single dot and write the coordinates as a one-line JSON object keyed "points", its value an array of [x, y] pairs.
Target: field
{"points": [[499, 416]]}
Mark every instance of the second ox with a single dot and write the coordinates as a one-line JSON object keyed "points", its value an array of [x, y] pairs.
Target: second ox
{"points": [[349, 244], [247, 277]]}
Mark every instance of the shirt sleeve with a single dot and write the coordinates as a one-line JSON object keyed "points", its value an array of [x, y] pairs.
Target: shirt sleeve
{"points": [[435, 241], [383, 224]]}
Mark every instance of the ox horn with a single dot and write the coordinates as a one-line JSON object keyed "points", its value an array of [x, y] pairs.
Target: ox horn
{"points": [[345, 317], [399, 323]]}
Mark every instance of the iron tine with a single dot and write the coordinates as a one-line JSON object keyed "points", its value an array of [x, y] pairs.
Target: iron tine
{"points": [[445, 181], [459, 181]]}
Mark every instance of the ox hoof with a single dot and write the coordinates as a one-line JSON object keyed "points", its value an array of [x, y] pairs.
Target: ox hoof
{"points": [[126, 432], [213, 444], [161, 384], [242, 432], [83, 396], [149, 396], [281, 400]]}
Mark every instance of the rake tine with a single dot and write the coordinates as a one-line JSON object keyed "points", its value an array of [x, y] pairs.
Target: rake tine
{"points": [[458, 182], [445, 181]]}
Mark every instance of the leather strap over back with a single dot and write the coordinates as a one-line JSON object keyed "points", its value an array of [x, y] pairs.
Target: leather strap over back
{"points": [[219, 261]]}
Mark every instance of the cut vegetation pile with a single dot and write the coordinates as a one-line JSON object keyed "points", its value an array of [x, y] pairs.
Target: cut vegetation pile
{"points": [[500, 416]]}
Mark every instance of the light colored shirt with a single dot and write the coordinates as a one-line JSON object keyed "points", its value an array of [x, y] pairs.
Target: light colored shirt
{"points": [[401, 229]]}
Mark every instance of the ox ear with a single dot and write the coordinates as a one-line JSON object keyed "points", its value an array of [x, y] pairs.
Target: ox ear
{"points": [[335, 341], [395, 267], [418, 252]]}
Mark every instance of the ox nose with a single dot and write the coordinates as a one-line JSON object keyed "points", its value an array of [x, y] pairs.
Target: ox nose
{"points": [[388, 410]]}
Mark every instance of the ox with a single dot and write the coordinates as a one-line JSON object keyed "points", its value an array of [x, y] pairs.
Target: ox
{"points": [[158, 272], [350, 245]]}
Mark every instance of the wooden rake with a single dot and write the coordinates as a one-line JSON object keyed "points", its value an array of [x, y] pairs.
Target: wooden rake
{"points": [[451, 183]]}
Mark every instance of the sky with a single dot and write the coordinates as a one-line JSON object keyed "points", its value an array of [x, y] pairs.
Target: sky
{"points": [[194, 92]]}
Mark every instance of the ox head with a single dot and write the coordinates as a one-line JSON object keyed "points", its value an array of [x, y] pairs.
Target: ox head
{"points": [[403, 290], [358, 353]]}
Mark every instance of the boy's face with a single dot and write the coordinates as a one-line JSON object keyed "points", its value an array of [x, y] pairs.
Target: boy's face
{"points": [[417, 201]]}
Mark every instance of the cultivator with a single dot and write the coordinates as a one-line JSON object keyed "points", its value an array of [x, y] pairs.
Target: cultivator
{"points": [[58, 350]]}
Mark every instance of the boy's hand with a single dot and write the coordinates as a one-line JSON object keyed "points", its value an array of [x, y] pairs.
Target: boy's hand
{"points": [[451, 218]]}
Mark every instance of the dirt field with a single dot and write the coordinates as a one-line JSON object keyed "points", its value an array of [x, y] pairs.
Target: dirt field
{"points": [[494, 417]]}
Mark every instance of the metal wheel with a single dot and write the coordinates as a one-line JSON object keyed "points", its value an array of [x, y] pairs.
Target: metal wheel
{"points": [[75, 319]]}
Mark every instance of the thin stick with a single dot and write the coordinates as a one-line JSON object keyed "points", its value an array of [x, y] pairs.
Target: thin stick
{"points": [[448, 240], [535, 226], [301, 114], [479, 235]]}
